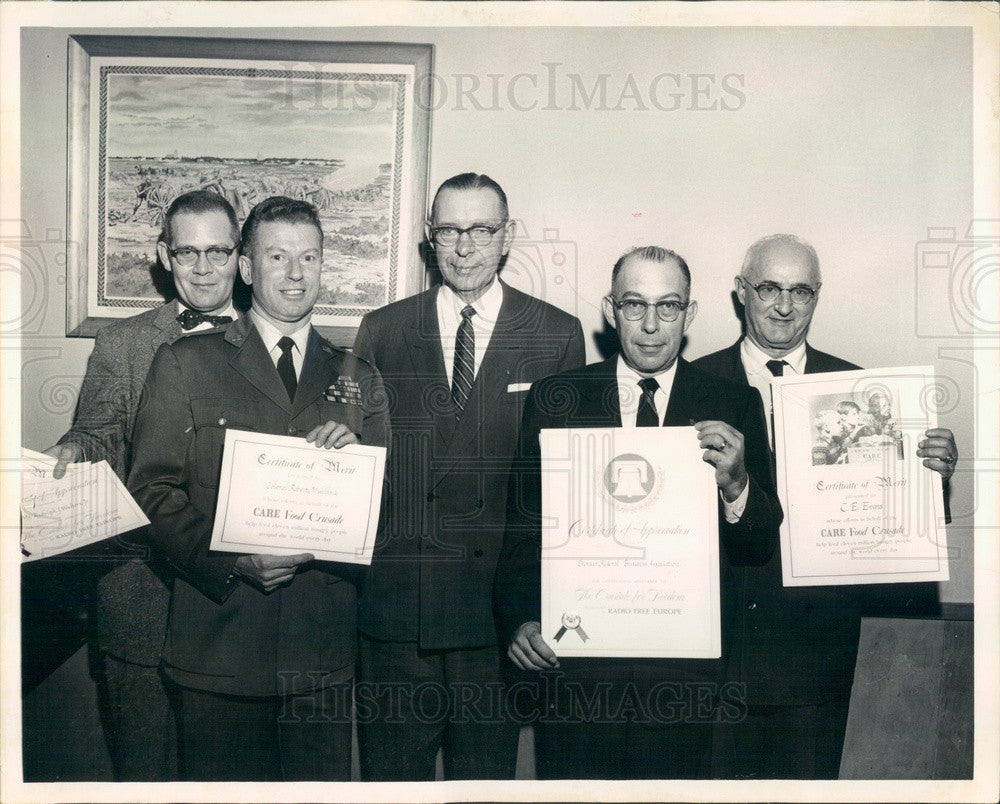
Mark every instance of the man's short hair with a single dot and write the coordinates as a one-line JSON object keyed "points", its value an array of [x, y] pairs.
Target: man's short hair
{"points": [[846, 406], [197, 202], [652, 254], [756, 252], [279, 208], [473, 181]]}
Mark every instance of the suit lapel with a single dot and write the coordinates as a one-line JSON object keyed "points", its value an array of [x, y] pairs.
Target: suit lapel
{"points": [[314, 377], [166, 329], [599, 400], [423, 342], [739, 373], [686, 398], [254, 363]]}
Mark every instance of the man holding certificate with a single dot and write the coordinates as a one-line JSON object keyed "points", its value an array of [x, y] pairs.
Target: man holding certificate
{"points": [[628, 717], [794, 648], [261, 647]]}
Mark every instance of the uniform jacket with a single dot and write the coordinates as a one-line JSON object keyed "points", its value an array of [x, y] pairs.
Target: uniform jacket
{"points": [[432, 574], [588, 397], [798, 645], [224, 635]]}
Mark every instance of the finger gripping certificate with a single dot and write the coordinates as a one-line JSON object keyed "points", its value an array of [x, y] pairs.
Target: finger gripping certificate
{"points": [[281, 495], [630, 544]]}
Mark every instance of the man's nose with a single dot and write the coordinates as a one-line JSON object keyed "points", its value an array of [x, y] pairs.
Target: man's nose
{"points": [[294, 271], [464, 245], [202, 265], [783, 304], [650, 321]]}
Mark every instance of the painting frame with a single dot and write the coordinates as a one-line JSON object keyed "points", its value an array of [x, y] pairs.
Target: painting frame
{"points": [[404, 68]]}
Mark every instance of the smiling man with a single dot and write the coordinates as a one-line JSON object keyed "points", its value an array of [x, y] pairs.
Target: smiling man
{"points": [[260, 647], [457, 362], [199, 246], [635, 718], [794, 648]]}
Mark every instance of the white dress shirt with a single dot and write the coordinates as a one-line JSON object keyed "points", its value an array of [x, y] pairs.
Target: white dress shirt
{"points": [[449, 313], [759, 375], [629, 395], [270, 335]]}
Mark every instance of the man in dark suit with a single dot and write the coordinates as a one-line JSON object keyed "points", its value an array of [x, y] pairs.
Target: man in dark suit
{"points": [[640, 734], [794, 648], [261, 647], [457, 361], [199, 247]]}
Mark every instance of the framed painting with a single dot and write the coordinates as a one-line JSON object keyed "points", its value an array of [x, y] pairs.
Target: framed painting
{"points": [[343, 125]]}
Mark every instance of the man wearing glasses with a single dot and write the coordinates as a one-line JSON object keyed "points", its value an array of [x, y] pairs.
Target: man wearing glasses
{"points": [[199, 247], [794, 648], [457, 361], [636, 718]]}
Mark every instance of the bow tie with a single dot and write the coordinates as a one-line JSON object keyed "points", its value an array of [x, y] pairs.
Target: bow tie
{"points": [[189, 319]]}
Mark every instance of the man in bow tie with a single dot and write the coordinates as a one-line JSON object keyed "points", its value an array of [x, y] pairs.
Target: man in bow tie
{"points": [[199, 246], [260, 647]]}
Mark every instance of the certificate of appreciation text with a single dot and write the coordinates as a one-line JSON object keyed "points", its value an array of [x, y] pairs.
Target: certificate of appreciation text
{"points": [[630, 544], [859, 505], [281, 495]]}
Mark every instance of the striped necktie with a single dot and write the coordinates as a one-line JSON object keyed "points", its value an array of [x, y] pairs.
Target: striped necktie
{"points": [[464, 369]]}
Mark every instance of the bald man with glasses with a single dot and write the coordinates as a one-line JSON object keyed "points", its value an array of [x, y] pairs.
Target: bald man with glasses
{"points": [[794, 648]]}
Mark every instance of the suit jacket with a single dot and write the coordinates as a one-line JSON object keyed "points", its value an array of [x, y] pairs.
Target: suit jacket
{"points": [[432, 573], [224, 635], [798, 645], [134, 596], [588, 397]]}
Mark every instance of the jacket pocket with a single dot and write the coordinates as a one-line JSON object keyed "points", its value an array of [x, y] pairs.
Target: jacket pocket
{"points": [[212, 417]]}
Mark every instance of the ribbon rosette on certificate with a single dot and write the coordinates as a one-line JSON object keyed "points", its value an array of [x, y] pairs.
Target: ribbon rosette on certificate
{"points": [[630, 544], [859, 505]]}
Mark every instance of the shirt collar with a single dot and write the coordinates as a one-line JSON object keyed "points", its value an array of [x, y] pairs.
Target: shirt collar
{"points": [[487, 306], [627, 376], [755, 359], [270, 335]]}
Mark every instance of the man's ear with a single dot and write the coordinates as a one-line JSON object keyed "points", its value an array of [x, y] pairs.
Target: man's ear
{"points": [[509, 229], [690, 313], [163, 252], [246, 269], [609, 311], [740, 289]]}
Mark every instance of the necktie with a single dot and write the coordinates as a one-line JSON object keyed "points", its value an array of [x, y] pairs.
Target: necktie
{"points": [[286, 368], [464, 369], [189, 319], [777, 368], [647, 415]]}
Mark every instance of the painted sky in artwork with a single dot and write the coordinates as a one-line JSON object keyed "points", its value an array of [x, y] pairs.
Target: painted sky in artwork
{"points": [[315, 117]]}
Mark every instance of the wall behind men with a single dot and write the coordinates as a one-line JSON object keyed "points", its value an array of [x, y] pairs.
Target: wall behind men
{"points": [[698, 139]]}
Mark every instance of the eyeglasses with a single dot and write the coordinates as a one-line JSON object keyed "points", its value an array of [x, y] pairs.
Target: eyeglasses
{"points": [[481, 234], [635, 309], [187, 256], [769, 291]]}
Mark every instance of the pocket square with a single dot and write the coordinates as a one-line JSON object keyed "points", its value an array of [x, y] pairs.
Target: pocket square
{"points": [[514, 387]]}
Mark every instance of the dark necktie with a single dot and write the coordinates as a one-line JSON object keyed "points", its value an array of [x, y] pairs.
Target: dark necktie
{"points": [[286, 368], [777, 368], [464, 369], [189, 319], [647, 416]]}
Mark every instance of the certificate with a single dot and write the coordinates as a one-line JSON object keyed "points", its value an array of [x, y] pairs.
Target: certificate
{"points": [[88, 504], [281, 495], [859, 505], [630, 544]]}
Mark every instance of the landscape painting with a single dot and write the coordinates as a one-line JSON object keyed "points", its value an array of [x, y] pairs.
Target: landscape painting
{"points": [[339, 135]]}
